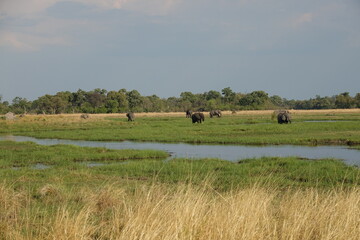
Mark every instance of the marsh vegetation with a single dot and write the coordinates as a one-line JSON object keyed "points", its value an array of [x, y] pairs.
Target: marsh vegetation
{"points": [[137, 195]]}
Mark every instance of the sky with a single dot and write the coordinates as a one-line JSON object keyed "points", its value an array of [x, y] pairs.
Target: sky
{"points": [[291, 48]]}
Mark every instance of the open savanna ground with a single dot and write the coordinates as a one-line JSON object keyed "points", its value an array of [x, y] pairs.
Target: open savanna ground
{"points": [[341, 127]]}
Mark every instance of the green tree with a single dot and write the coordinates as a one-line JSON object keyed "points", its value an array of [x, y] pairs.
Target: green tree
{"points": [[357, 100], [121, 99], [60, 104], [212, 95], [78, 99], [100, 91], [277, 101], [20, 105], [96, 99], [152, 104], [322, 103], [64, 102], [199, 102], [228, 95], [44, 104], [254, 100], [344, 100], [212, 104], [112, 106], [187, 96], [4, 106], [135, 101], [174, 104]]}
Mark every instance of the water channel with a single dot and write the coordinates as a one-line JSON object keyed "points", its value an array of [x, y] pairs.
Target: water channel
{"points": [[226, 152]]}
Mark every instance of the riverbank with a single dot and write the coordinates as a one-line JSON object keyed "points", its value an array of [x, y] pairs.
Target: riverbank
{"points": [[231, 153]]}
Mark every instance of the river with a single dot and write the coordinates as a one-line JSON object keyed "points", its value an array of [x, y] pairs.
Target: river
{"points": [[227, 152]]}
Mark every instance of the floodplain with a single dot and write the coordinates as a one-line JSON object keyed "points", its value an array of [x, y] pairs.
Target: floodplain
{"points": [[138, 195]]}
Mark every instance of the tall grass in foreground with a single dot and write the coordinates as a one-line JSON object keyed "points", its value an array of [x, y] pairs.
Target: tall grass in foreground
{"points": [[181, 212]]}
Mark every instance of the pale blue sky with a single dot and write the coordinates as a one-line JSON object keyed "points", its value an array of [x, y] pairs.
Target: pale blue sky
{"points": [[295, 49]]}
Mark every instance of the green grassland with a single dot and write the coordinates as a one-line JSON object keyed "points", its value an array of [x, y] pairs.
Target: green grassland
{"points": [[69, 162], [73, 199], [344, 129], [25, 154]]}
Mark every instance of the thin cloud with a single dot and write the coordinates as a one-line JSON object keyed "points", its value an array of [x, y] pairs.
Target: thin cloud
{"points": [[27, 42], [303, 19], [154, 7], [45, 30], [30, 8], [20, 8], [33, 7]]}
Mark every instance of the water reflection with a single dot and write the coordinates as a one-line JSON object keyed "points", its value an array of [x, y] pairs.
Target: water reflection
{"points": [[40, 166], [226, 152]]}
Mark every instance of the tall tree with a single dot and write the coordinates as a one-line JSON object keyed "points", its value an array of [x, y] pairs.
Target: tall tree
{"points": [[187, 96], [212, 95], [20, 105], [344, 100], [357, 100], [78, 99], [96, 99], [254, 100], [228, 95], [4, 106], [135, 100]]}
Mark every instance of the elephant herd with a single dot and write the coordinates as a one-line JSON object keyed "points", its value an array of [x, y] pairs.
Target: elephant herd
{"points": [[198, 117]]}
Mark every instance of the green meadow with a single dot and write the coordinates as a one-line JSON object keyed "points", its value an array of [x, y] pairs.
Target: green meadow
{"points": [[306, 129]]}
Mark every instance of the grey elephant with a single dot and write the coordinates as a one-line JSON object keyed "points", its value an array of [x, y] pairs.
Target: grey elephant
{"points": [[284, 117], [130, 116], [215, 113], [198, 117], [188, 113]]}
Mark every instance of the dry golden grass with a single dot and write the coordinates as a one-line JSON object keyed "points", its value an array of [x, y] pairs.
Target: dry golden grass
{"points": [[158, 212], [76, 116]]}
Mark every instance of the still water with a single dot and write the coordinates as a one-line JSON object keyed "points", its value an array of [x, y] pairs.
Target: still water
{"points": [[226, 152]]}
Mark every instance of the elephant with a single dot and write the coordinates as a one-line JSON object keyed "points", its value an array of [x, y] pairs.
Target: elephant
{"points": [[198, 117], [130, 116], [215, 113], [84, 116], [188, 113], [284, 117]]}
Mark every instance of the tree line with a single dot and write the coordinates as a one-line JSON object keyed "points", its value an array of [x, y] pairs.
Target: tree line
{"points": [[121, 101]]}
